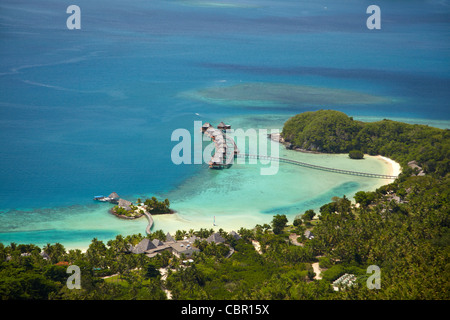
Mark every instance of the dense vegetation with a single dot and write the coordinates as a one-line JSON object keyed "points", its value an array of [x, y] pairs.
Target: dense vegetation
{"points": [[334, 132], [403, 228], [408, 240], [356, 154], [157, 207], [151, 205]]}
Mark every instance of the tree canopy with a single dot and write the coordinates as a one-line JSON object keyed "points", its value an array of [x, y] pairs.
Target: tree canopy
{"points": [[332, 131]]}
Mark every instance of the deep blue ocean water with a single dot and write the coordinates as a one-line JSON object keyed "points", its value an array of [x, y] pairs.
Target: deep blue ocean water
{"points": [[90, 111]]}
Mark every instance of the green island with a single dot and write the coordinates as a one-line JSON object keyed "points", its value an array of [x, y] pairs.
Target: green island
{"points": [[127, 210], [402, 228]]}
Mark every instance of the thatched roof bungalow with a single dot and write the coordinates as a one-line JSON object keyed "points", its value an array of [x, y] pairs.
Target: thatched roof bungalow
{"points": [[223, 126], [143, 246], [216, 238], [210, 130], [157, 242], [114, 196], [206, 126], [235, 235], [169, 238], [44, 255], [125, 204]]}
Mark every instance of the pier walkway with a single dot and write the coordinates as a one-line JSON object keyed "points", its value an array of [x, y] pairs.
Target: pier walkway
{"points": [[312, 166], [225, 147], [150, 222]]}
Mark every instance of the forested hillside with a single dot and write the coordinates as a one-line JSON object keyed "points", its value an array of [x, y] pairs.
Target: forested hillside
{"points": [[331, 131]]}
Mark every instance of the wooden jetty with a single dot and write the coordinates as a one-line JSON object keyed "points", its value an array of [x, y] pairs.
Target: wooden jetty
{"points": [[112, 198], [225, 149], [312, 166]]}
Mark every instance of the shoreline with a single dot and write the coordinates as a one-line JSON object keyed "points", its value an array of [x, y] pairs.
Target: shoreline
{"points": [[175, 221], [394, 167]]}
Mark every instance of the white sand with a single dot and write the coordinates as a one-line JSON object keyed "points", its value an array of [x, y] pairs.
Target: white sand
{"points": [[317, 271], [395, 168]]}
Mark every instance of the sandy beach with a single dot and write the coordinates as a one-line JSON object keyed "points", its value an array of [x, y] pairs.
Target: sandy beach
{"points": [[394, 167]]}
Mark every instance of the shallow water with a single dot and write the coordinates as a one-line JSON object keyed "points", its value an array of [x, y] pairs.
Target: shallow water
{"points": [[92, 111]]}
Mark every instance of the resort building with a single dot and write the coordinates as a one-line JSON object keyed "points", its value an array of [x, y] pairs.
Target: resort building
{"points": [[114, 196], [169, 238], [414, 165], [125, 204], [153, 247], [223, 126], [225, 147], [206, 126], [346, 280], [44, 255], [181, 247], [143, 246], [309, 235], [235, 235], [216, 238]]}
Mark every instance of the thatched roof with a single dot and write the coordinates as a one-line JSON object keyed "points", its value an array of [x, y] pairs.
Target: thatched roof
{"points": [[114, 196], [143, 246], [169, 238], [157, 242], [44, 255], [223, 126], [216, 238], [125, 204], [206, 125], [235, 235], [413, 164], [192, 239]]}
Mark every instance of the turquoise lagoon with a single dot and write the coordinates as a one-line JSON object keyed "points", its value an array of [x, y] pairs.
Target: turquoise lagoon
{"points": [[91, 111], [232, 198]]}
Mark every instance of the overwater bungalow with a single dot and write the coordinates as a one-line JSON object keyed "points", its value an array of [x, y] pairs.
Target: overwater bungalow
{"points": [[221, 150], [225, 147], [223, 126], [112, 198], [206, 126]]}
